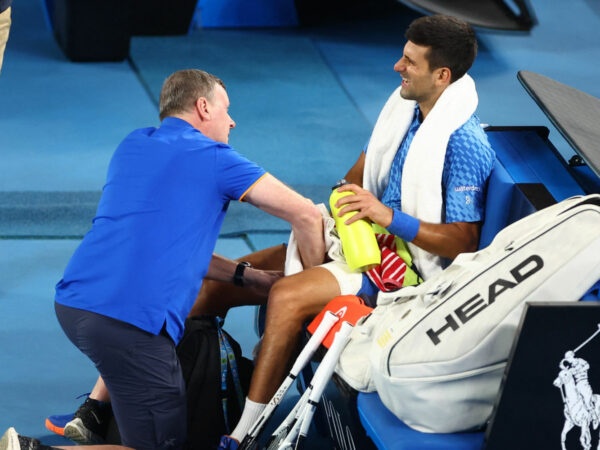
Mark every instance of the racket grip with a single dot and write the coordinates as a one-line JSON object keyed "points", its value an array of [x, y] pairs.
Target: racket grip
{"points": [[329, 320], [329, 361]]}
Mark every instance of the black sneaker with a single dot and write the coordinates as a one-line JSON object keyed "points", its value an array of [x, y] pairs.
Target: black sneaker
{"points": [[90, 423], [11, 440]]}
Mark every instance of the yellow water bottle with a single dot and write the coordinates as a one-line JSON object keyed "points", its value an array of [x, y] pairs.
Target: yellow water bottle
{"points": [[358, 239]]}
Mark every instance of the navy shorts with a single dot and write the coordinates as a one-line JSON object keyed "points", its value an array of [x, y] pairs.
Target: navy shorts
{"points": [[142, 374]]}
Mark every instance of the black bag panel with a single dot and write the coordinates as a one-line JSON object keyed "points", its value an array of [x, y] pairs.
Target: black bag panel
{"points": [[200, 358]]}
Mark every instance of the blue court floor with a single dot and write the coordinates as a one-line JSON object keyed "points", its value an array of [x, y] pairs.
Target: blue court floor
{"points": [[304, 100]]}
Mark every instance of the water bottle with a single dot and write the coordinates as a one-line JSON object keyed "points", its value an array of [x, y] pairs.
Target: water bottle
{"points": [[358, 239]]}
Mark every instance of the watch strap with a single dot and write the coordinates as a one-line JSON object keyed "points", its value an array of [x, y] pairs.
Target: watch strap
{"points": [[238, 276]]}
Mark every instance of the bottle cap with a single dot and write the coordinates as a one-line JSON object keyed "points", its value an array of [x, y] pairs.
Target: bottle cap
{"points": [[340, 182]]}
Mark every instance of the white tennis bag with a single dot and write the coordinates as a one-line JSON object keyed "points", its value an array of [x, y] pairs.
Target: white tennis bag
{"points": [[436, 352]]}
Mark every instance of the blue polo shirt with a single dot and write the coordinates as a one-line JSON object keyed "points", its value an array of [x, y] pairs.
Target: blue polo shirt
{"points": [[467, 166], [157, 223]]}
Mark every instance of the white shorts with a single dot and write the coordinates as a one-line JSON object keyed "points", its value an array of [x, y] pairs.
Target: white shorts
{"points": [[350, 282]]}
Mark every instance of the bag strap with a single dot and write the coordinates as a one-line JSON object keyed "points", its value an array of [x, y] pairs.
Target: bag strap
{"points": [[228, 362]]}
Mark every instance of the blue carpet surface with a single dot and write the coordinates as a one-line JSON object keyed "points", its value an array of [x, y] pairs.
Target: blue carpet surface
{"points": [[304, 100], [292, 115]]}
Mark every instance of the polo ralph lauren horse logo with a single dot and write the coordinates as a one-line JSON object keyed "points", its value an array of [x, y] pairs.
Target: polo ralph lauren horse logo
{"points": [[581, 405]]}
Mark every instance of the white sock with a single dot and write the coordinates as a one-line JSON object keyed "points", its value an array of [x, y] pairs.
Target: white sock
{"points": [[251, 412]]}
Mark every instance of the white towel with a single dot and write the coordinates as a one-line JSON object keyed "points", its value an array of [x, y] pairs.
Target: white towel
{"points": [[422, 173]]}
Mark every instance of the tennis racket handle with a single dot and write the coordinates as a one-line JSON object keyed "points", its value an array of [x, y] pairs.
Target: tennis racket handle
{"points": [[327, 366], [329, 320]]}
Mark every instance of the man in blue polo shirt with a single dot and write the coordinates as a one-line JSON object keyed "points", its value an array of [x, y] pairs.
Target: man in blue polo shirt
{"points": [[132, 281]]}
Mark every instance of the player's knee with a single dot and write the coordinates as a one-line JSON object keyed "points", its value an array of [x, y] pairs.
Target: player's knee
{"points": [[286, 301]]}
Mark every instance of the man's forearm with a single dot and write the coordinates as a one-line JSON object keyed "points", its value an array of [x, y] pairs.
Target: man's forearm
{"points": [[305, 218], [221, 268], [311, 242], [449, 239]]}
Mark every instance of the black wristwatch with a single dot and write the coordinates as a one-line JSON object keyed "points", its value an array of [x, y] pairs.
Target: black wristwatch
{"points": [[238, 276]]}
